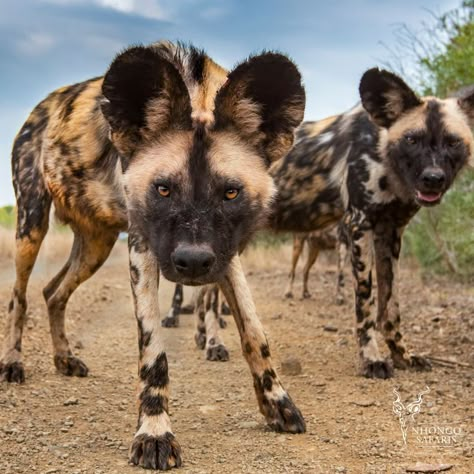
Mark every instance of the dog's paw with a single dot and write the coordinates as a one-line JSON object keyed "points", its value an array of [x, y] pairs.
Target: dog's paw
{"points": [[71, 366], [156, 452], [283, 416], [200, 338], [217, 353], [12, 372], [170, 322], [377, 369], [412, 362]]}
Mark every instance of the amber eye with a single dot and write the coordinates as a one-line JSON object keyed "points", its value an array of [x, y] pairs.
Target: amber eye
{"points": [[454, 142], [231, 193], [411, 140], [164, 191]]}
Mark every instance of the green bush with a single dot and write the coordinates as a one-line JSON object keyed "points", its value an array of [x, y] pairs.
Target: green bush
{"points": [[442, 237], [7, 216], [270, 239]]}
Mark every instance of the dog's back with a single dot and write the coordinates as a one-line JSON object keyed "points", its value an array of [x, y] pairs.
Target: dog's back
{"points": [[310, 178]]}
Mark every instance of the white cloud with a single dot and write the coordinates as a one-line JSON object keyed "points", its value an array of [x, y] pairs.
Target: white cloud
{"points": [[35, 43], [145, 8]]}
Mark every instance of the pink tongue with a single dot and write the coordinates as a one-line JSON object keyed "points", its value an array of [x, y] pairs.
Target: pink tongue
{"points": [[428, 197]]}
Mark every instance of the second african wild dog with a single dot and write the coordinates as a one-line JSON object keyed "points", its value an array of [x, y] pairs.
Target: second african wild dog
{"points": [[376, 164], [173, 148]]}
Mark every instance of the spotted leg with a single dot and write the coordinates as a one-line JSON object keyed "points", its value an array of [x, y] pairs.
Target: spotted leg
{"points": [[27, 248], [200, 310], [274, 402], [298, 242], [215, 348], [372, 365], [387, 243], [172, 318], [33, 204], [89, 252], [313, 252], [342, 252], [154, 445]]}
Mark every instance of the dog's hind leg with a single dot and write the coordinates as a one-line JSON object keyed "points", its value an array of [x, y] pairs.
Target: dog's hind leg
{"points": [[33, 205], [342, 252], [171, 320], [215, 348], [88, 253], [200, 311], [313, 252], [298, 242]]}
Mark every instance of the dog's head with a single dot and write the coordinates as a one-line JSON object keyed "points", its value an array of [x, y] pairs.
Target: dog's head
{"points": [[196, 144], [428, 140]]}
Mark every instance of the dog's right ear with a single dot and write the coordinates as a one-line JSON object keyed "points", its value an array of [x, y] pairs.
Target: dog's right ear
{"points": [[144, 95], [263, 100], [385, 96]]}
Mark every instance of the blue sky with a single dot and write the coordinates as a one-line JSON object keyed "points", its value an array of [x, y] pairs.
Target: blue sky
{"points": [[45, 44]]}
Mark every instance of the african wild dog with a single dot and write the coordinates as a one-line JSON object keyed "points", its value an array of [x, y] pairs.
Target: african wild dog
{"points": [[327, 239], [376, 164], [173, 148]]}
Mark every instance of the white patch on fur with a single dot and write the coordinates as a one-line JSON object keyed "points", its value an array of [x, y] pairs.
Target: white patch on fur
{"points": [[376, 171], [325, 138], [156, 425]]}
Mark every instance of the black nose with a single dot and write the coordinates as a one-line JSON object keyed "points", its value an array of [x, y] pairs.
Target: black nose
{"points": [[433, 178], [193, 261]]}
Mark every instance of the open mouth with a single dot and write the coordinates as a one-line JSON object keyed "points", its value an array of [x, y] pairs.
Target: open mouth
{"points": [[428, 198]]}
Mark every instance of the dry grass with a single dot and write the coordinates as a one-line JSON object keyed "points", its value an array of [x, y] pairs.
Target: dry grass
{"points": [[56, 245], [258, 257]]}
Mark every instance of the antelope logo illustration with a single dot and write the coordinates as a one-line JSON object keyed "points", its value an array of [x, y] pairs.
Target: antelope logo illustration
{"points": [[405, 412]]}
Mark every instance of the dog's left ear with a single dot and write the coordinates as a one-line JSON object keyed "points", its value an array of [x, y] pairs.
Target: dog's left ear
{"points": [[263, 100], [466, 103], [385, 96]]}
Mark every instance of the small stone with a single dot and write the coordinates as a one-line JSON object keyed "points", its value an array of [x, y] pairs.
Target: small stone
{"points": [[291, 366], [364, 403], [423, 467], [330, 328], [71, 401]]}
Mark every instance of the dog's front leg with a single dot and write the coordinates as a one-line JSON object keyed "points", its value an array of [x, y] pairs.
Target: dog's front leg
{"points": [[275, 404], [372, 363], [387, 243], [154, 445]]}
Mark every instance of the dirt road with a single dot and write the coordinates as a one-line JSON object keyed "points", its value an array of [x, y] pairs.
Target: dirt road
{"points": [[54, 424]]}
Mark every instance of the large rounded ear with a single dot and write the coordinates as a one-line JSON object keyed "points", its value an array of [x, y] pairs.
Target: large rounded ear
{"points": [[263, 100], [144, 95], [466, 102], [385, 96]]}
